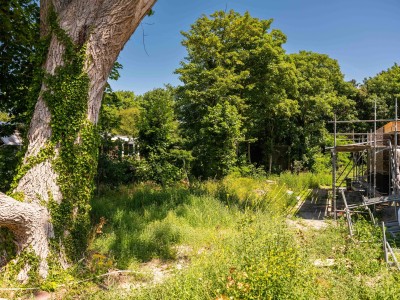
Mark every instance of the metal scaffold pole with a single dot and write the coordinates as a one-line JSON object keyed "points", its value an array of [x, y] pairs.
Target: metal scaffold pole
{"points": [[370, 166], [395, 188], [395, 146], [334, 171], [374, 190]]}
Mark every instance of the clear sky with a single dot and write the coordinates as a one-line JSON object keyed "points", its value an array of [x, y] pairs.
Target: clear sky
{"points": [[363, 35]]}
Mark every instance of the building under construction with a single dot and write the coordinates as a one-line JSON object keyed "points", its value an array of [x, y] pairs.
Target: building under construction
{"points": [[370, 182]]}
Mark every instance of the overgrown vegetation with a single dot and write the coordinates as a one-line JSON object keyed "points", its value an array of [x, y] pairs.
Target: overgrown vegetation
{"points": [[223, 239], [249, 251]]}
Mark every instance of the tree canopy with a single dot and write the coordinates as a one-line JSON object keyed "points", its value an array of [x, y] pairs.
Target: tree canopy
{"points": [[234, 76], [322, 93]]}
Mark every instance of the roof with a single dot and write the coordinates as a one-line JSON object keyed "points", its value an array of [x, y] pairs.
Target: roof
{"points": [[124, 138], [12, 140]]}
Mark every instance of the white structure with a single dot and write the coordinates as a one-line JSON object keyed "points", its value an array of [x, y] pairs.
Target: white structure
{"points": [[12, 140], [129, 144]]}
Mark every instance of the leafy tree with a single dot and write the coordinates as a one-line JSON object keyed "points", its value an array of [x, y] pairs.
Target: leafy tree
{"points": [[383, 88], [109, 119], [129, 114], [159, 140], [119, 113], [322, 93], [220, 134], [4, 117], [126, 99], [235, 68], [129, 121]]}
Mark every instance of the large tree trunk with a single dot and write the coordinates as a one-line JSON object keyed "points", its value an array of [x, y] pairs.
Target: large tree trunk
{"points": [[101, 27]]}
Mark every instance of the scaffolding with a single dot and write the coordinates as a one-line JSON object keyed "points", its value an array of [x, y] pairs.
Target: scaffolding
{"points": [[372, 176]]}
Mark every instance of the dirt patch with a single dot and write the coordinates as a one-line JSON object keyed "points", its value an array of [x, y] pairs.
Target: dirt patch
{"points": [[306, 224], [157, 271]]}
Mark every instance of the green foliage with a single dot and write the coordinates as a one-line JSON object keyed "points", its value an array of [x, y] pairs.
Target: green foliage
{"points": [[119, 113], [383, 88], [9, 160], [163, 160], [126, 99], [8, 249], [76, 169], [322, 93], [108, 116], [114, 172], [222, 123], [27, 256], [4, 117], [151, 119], [19, 50], [129, 121], [235, 69]]}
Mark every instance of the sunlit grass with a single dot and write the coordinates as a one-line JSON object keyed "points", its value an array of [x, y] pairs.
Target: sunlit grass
{"points": [[231, 240]]}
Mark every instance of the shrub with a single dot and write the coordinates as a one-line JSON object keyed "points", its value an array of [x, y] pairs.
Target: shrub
{"points": [[115, 172]]}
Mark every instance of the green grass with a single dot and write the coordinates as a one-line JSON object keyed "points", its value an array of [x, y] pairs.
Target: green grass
{"points": [[234, 230], [237, 245], [258, 259], [145, 223]]}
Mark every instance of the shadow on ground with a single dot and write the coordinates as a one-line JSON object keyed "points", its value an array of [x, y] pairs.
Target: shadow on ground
{"points": [[315, 206]]}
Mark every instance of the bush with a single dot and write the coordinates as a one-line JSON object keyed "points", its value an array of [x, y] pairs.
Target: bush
{"points": [[115, 172]]}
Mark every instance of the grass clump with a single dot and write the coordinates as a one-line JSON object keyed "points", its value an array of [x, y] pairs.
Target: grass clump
{"points": [[253, 193]]}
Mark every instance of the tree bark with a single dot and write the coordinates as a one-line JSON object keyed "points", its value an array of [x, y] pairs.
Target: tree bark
{"points": [[103, 26]]}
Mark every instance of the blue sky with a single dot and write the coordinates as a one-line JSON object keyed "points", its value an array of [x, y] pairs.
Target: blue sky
{"points": [[363, 35]]}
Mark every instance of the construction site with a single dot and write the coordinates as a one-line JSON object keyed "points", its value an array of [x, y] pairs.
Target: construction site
{"points": [[369, 185]]}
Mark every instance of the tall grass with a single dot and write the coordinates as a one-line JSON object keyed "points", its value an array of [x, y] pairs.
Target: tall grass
{"points": [[276, 194], [234, 228], [238, 244], [145, 223], [259, 261]]}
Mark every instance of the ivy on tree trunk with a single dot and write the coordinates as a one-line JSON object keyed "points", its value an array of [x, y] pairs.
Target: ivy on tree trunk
{"points": [[48, 208]]}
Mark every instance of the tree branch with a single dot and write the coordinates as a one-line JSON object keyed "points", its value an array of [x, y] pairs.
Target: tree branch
{"points": [[30, 225]]}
